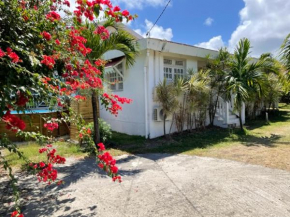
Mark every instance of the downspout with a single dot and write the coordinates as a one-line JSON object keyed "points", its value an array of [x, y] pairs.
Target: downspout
{"points": [[146, 93]]}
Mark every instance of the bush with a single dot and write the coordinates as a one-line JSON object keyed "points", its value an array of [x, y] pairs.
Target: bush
{"points": [[105, 130]]}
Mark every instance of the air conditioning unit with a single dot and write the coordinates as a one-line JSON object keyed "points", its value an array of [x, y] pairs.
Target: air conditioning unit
{"points": [[159, 116]]}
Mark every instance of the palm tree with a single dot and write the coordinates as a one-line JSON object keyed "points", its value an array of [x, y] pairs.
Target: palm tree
{"points": [[245, 76], [285, 57], [197, 97], [167, 96], [216, 73], [285, 54], [119, 40]]}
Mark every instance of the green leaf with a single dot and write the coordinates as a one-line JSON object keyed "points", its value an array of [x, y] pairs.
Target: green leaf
{"points": [[97, 10]]}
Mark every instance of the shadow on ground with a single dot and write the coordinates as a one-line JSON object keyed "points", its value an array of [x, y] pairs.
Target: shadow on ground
{"points": [[201, 139], [42, 200]]}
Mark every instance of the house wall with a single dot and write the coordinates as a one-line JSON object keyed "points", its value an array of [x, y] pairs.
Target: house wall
{"points": [[155, 76], [131, 120]]}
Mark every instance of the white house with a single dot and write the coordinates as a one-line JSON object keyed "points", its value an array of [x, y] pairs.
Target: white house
{"points": [[157, 58]]}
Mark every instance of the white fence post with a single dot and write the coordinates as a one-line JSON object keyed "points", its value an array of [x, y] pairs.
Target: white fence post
{"points": [[243, 113], [227, 113]]}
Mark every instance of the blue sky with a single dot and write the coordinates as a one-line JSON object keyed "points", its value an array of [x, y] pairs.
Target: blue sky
{"points": [[187, 19], [214, 23], [265, 22]]}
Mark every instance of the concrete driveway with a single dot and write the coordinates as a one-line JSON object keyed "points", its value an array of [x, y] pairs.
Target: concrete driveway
{"points": [[163, 185]]}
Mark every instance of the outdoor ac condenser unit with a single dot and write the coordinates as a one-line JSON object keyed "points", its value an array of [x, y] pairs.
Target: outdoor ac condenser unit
{"points": [[159, 116]]}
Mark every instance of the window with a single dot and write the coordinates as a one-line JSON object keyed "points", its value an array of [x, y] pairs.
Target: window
{"points": [[173, 69], [116, 77]]}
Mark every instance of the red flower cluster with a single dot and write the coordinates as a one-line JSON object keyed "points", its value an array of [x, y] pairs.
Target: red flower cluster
{"points": [[77, 42], [51, 125], [46, 35], [101, 147], [46, 172], [100, 62], [15, 58], [85, 132], [48, 61], [13, 122], [16, 214], [22, 99], [112, 103], [117, 14], [53, 16], [86, 8], [79, 97], [67, 3], [123, 99], [103, 32], [108, 163]]}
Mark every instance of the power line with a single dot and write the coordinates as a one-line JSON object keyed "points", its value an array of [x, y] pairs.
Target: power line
{"points": [[158, 18]]}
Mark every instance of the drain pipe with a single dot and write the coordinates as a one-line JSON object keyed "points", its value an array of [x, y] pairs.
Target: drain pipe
{"points": [[146, 93]]}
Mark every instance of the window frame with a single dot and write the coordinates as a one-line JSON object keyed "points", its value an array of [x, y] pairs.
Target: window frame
{"points": [[118, 76], [170, 70]]}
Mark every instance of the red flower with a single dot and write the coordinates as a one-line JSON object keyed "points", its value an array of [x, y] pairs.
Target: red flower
{"points": [[51, 126], [13, 122], [41, 164], [48, 61], [100, 62], [46, 35], [116, 8], [42, 150], [81, 135], [66, 3], [101, 165], [53, 16], [12, 55], [89, 131], [103, 32], [79, 97], [125, 13], [2, 53], [57, 41], [114, 169], [15, 213], [22, 99], [101, 147]]}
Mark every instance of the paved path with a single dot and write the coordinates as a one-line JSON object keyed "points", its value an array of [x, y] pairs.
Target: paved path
{"points": [[165, 185]]}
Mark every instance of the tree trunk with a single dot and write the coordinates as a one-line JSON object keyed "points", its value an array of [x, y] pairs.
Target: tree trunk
{"points": [[96, 135], [241, 122]]}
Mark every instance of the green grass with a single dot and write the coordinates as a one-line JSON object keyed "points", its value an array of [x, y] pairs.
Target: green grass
{"points": [[30, 150], [284, 106], [212, 142], [199, 142]]}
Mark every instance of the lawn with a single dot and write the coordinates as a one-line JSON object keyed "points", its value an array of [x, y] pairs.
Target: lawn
{"points": [[30, 150], [266, 144]]}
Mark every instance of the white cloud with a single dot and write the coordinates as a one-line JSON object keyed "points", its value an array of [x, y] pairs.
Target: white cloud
{"points": [[139, 4], [265, 23], [214, 43], [156, 32], [208, 21]]}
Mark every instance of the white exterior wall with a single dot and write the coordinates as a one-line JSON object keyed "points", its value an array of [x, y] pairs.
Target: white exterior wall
{"points": [[140, 81], [131, 120], [156, 75]]}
